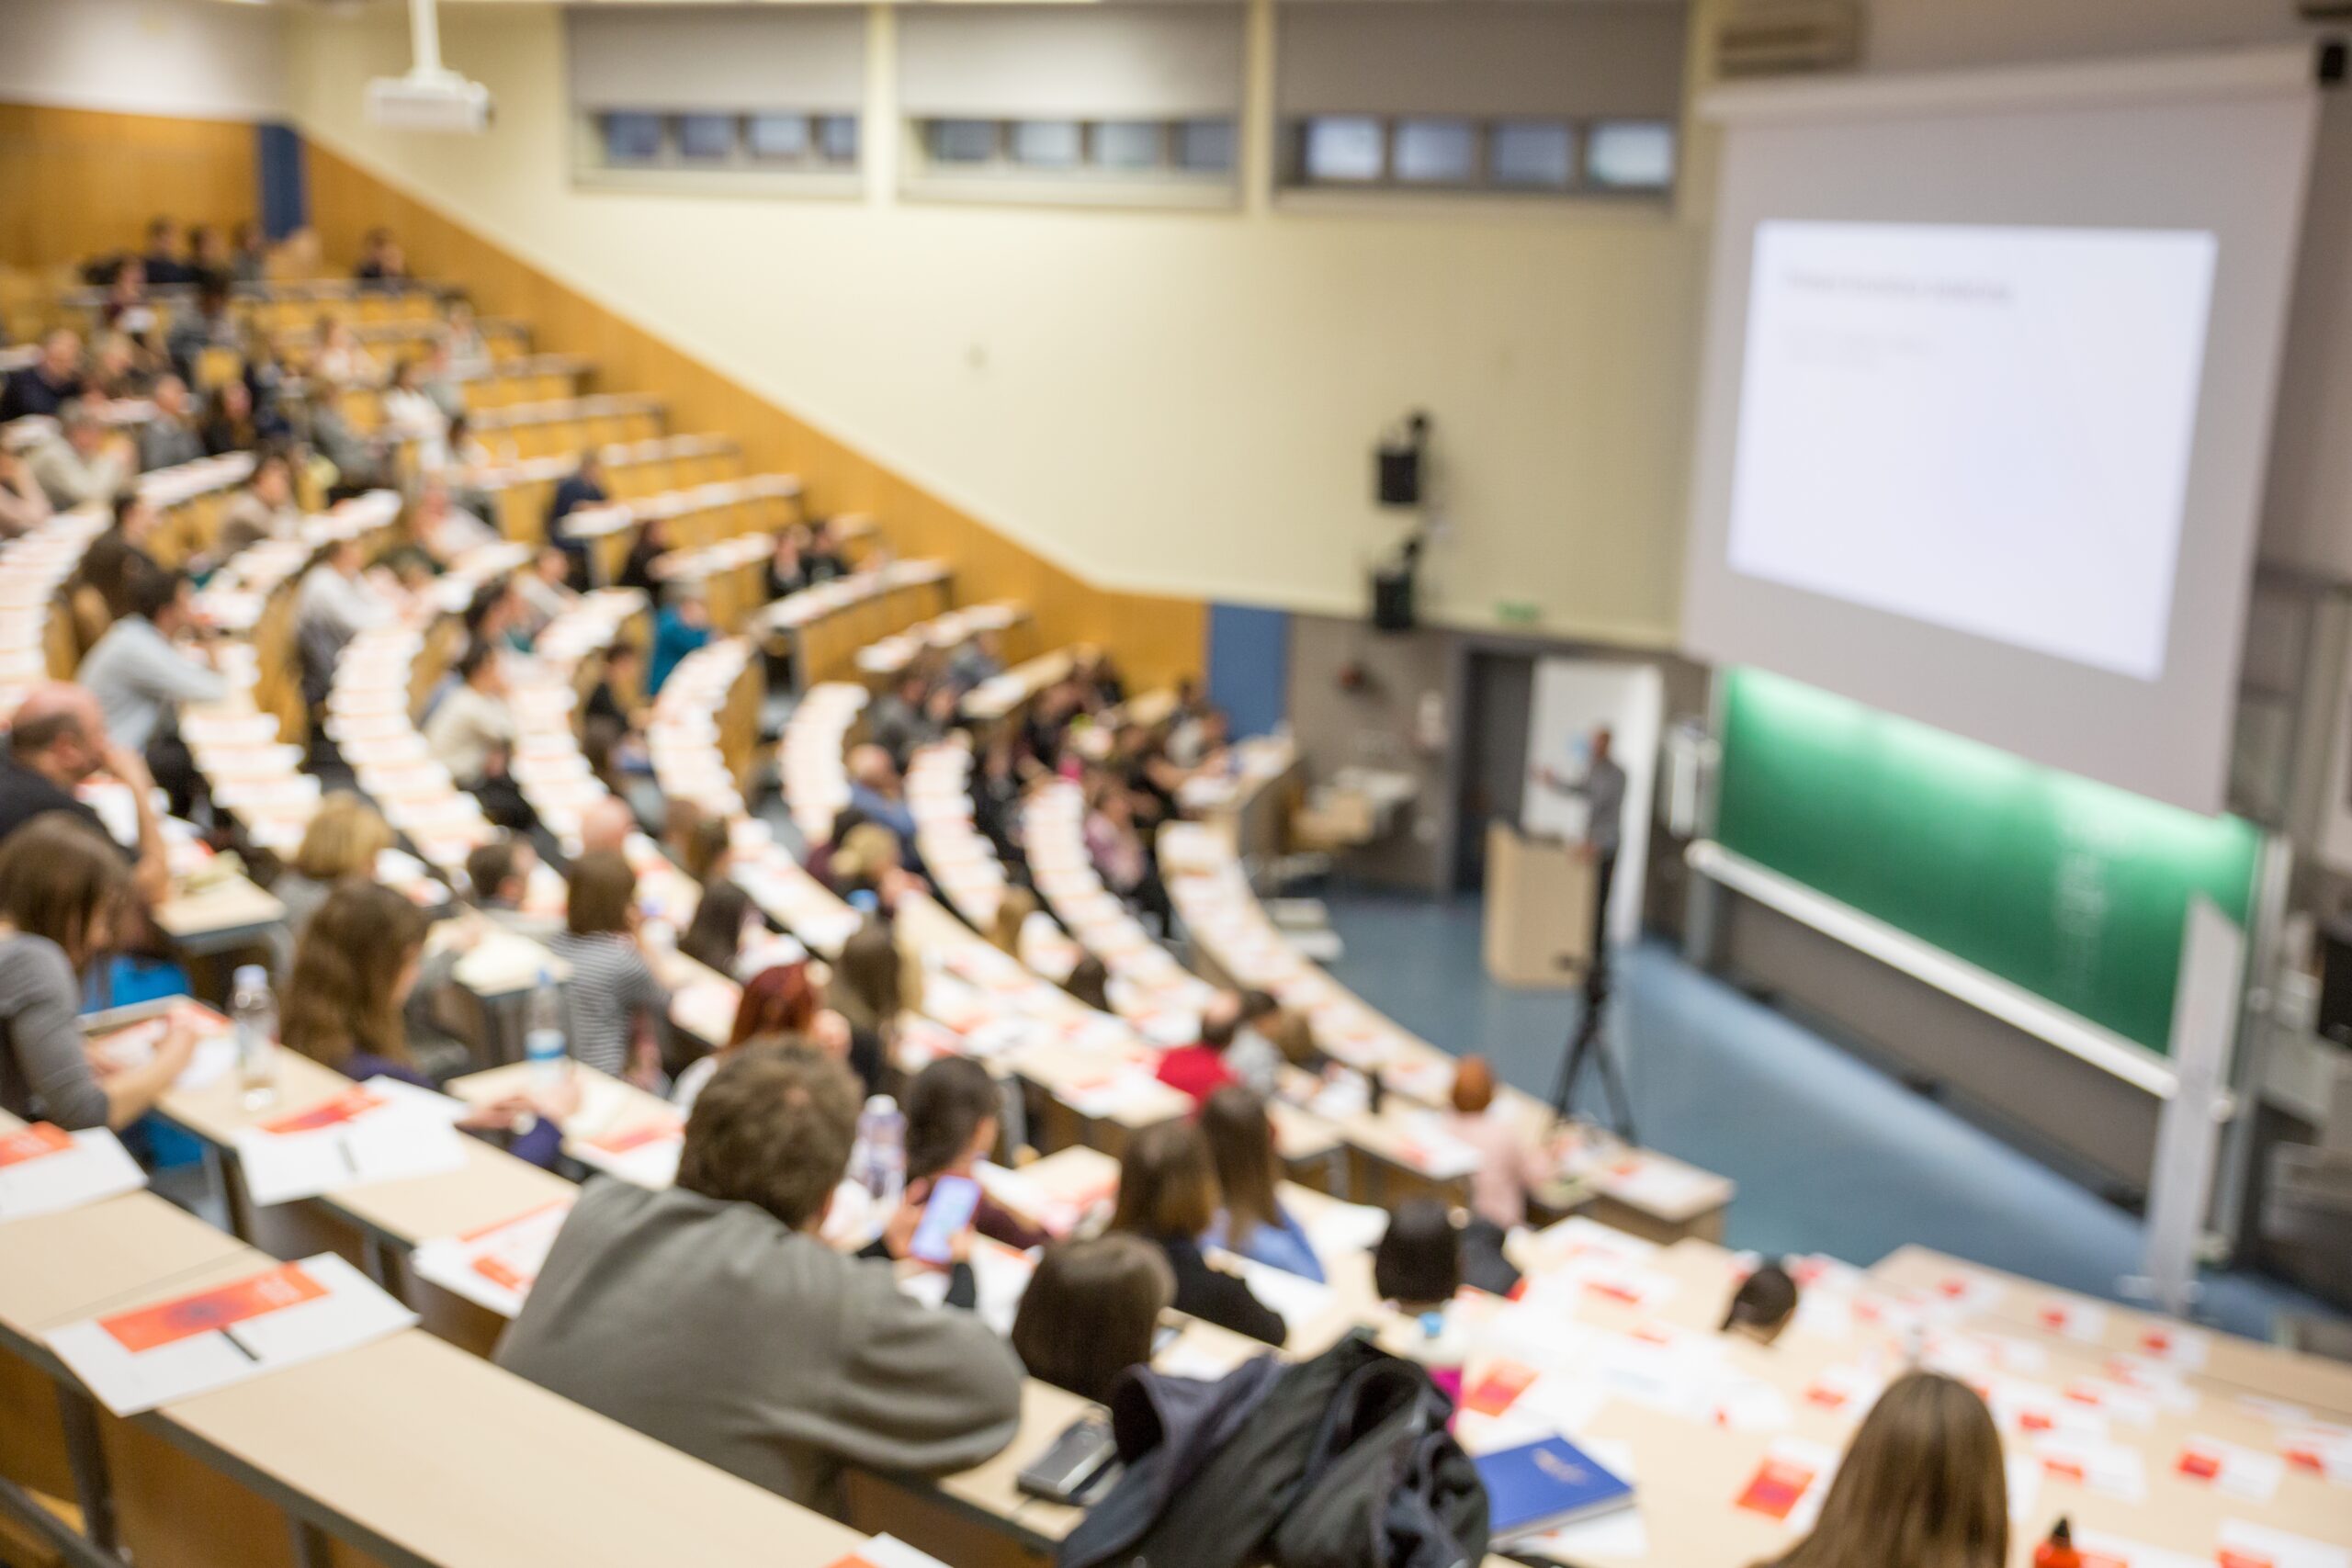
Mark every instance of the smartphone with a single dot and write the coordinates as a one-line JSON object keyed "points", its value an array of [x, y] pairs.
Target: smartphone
{"points": [[954, 1200], [1079, 1457]]}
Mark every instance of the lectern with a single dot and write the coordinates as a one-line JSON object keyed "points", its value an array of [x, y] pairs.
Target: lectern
{"points": [[1539, 910]]}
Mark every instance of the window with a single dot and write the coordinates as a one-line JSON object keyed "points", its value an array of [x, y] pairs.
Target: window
{"points": [[705, 98], [1343, 149], [1630, 156], [1047, 143], [963, 141], [707, 138], [1531, 155], [1128, 144], [1484, 98], [729, 146], [777, 138], [1205, 146], [837, 138], [632, 138], [1436, 151], [1079, 160]]}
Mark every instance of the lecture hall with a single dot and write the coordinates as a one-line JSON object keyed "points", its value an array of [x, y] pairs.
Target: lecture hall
{"points": [[1176, 784]]}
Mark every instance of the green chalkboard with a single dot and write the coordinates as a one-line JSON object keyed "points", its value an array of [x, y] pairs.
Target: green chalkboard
{"points": [[2071, 889]]}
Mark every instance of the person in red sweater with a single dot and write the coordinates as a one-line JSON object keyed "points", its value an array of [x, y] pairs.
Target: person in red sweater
{"points": [[1200, 1069]]}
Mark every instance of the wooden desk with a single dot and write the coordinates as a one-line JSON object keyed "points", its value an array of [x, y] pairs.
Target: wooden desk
{"points": [[366, 1443], [2022, 1305], [228, 911]]}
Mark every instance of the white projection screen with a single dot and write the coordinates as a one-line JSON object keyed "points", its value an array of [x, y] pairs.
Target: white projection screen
{"points": [[1990, 360]]}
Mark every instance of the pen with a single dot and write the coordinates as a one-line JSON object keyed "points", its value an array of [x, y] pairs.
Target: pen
{"points": [[242, 1348]]}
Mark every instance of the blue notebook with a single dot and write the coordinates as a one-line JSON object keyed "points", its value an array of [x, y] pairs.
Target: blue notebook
{"points": [[1540, 1487]]}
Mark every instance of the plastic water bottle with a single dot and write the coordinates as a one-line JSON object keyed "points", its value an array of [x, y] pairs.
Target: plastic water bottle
{"points": [[543, 1042], [880, 1155], [253, 1012]]}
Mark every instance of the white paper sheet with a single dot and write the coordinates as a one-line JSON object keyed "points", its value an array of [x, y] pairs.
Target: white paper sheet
{"points": [[493, 1267], [44, 1168], [278, 1317], [396, 1139]]}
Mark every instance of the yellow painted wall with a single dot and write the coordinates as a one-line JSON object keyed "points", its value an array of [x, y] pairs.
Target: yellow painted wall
{"points": [[1179, 402]]}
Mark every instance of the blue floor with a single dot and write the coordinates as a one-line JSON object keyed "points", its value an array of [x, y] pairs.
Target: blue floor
{"points": [[1831, 1155]]}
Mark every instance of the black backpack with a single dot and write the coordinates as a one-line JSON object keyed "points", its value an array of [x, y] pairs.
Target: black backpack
{"points": [[1386, 1485], [1343, 1462]]}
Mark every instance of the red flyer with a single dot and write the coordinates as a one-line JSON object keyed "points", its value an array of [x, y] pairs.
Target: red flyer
{"points": [[1504, 1381], [33, 1143], [351, 1104], [1776, 1488], [207, 1312]]}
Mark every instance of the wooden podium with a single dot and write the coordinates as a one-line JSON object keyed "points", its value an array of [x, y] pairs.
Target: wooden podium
{"points": [[1539, 910]]}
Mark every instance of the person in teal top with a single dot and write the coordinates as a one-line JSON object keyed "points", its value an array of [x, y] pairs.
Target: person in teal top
{"points": [[683, 626]]}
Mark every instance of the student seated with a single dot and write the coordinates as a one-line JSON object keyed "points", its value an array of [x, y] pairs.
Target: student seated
{"points": [[1091, 1312], [868, 990], [954, 1117], [1426, 1254], [1763, 1305], [1509, 1164], [1090, 983], [342, 839], [62, 886], [777, 1003], [1167, 1195], [614, 1001], [1200, 1069], [1253, 1221], [714, 936], [1921, 1484], [356, 965], [712, 1317]]}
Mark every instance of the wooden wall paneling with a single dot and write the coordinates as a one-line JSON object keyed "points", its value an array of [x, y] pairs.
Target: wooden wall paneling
{"points": [[1156, 637], [74, 183]]}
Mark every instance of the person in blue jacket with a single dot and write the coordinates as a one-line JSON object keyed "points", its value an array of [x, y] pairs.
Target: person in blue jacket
{"points": [[353, 968], [1252, 1223]]}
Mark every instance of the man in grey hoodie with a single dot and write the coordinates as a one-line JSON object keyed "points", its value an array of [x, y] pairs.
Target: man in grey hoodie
{"points": [[712, 1317]]}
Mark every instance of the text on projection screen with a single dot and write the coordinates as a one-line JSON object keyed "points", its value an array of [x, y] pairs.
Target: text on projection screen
{"points": [[1983, 428]]}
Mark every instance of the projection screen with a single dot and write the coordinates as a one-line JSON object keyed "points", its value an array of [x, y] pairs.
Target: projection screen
{"points": [[1989, 367]]}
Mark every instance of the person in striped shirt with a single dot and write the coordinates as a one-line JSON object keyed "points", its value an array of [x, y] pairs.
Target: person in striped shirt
{"points": [[612, 1005]]}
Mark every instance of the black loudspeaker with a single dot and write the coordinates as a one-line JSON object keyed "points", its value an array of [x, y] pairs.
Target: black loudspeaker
{"points": [[1398, 473], [2335, 1021], [1392, 599]]}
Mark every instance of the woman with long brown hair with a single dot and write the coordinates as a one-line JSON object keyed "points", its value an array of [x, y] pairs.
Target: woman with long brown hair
{"points": [[1922, 1486], [353, 968], [1167, 1195], [1090, 1311], [1253, 1221], [869, 989], [62, 889]]}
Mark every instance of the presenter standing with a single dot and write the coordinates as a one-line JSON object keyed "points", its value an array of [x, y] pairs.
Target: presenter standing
{"points": [[1602, 789]]}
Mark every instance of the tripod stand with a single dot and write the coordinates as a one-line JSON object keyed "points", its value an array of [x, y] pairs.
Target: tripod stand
{"points": [[1589, 1046]]}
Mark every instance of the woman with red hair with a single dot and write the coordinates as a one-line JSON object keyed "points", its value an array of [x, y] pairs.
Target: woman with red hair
{"points": [[778, 1004]]}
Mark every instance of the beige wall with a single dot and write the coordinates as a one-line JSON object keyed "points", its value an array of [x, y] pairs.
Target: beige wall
{"points": [[1178, 401]]}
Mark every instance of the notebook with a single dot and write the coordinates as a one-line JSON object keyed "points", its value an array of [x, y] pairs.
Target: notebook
{"points": [[1543, 1485]]}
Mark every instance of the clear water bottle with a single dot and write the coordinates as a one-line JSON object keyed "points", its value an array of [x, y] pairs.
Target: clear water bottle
{"points": [[879, 1157], [543, 1042], [253, 1012]]}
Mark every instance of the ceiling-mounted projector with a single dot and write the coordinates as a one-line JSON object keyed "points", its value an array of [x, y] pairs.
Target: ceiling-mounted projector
{"points": [[431, 97], [449, 103]]}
